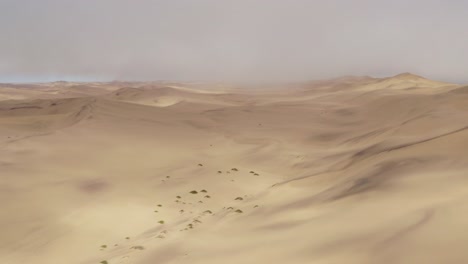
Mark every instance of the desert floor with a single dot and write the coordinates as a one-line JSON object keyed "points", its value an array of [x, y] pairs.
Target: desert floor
{"points": [[353, 170]]}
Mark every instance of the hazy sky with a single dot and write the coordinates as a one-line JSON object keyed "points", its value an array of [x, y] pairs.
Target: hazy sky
{"points": [[44, 40]]}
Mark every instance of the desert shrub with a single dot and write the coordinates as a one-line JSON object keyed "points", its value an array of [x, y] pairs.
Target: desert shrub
{"points": [[234, 169], [127, 238], [255, 206], [138, 247], [168, 177], [208, 212], [239, 198], [256, 174], [159, 205], [104, 246], [203, 191], [199, 164], [193, 192], [251, 172], [178, 197], [104, 262], [239, 211], [207, 196], [220, 172], [161, 222]]}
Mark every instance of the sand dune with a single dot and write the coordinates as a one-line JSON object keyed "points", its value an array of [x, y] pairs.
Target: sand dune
{"points": [[353, 170]]}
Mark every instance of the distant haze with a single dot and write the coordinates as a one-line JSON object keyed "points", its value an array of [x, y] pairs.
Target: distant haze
{"points": [[47, 40]]}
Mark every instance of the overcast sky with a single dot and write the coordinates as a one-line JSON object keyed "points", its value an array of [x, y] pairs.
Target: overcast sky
{"points": [[47, 40]]}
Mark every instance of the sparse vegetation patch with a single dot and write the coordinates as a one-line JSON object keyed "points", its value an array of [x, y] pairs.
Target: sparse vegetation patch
{"points": [[138, 247]]}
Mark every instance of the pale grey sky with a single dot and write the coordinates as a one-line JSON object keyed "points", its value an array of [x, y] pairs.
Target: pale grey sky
{"points": [[46, 40]]}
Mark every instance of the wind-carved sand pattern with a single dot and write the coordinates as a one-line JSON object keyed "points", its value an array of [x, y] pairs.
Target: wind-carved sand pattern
{"points": [[354, 170]]}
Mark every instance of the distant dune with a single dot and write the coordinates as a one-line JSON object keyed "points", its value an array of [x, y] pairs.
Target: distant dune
{"points": [[354, 170]]}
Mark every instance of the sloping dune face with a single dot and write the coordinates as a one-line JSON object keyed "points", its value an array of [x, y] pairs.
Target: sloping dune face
{"points": [[354, 170]]}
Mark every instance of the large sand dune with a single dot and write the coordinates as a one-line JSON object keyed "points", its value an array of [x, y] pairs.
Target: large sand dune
{"points": [[353, 170]]}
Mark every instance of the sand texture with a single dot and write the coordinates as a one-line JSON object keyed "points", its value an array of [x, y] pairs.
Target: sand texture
{"points": [[354, 170]]}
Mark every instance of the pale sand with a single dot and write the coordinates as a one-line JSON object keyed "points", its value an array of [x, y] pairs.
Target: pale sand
{"points": [[354, 170]]}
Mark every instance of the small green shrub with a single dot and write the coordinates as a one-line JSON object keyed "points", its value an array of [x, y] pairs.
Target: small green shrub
{"points": [[193, 192], [104, 262], [161, 222], [104, 246]]}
